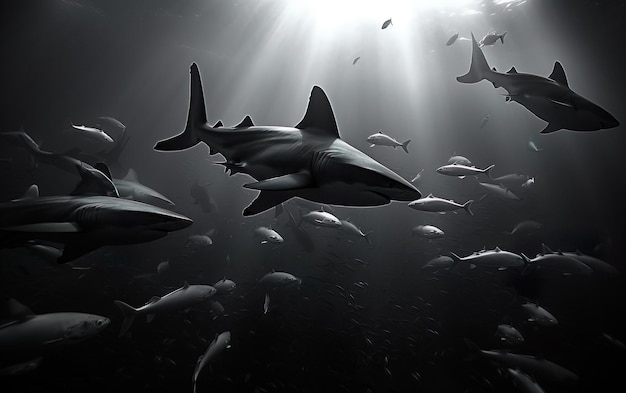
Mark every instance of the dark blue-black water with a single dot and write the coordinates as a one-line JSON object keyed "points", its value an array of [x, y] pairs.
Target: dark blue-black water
{"points": [[366, 318]]}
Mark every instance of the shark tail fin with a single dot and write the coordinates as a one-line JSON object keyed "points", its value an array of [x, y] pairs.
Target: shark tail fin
{"points": [[405, 145], [129, 313], [195, 118], [488, 171], [467, 206], [502, 37], [479, 68]]}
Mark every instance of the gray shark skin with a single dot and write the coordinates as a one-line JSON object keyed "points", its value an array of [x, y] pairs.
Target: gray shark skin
{"points": [[84, 223], [28, 334], [309, 161], [92, 178], [548, 98], [130, 187]]}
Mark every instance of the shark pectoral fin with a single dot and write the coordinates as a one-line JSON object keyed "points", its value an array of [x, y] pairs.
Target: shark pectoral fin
{"points": [[286, 182], [76, 250], [46, 227], [550, 128], [266, 200]]}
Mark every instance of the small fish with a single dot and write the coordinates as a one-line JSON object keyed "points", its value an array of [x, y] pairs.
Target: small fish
{"points": [[355, 60], [268, 235], [491, 38], [321, 219], [94, 133], [526, 228], [529, 183], [266, 304], [461, 171], [539, 315], [533, 147], [163, 266], [217, 346], [435, 204], [224, 286], [386, 23], [452, 39], [428, 231], [459, 160], [509, 334], [383, 139]]}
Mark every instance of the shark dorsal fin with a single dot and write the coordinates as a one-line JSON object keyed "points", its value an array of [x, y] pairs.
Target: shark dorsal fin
{"points": [[319, 114], [93, 182], [497, 249], [185, 285], [512, 71], [246, 122], [131, 176], [430, 196], [104, 168], [218, 124], [32, 192], [545, 249], [12, 310], [558, 74]]}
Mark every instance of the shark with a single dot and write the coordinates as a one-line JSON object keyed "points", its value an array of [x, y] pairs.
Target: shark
{"points": [[309, 160], [549, 98], [130, 187], [83, 223]]}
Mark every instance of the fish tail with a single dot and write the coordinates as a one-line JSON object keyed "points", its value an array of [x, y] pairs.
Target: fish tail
{"points": [[405, 145], [479, 68], [129, 313], [502, 37], [467, 206], [487, 171], [456, 259], [196, 118]]}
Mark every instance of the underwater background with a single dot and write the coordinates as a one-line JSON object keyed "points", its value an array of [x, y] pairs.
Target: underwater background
{"points": [[369, 315]]}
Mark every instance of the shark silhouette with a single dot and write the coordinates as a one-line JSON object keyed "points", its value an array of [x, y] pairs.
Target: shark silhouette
{"points": [[549, 98], [309, 161]]}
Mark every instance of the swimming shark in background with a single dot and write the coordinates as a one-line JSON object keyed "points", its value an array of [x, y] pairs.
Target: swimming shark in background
{"points": [[549, 98], [309, 161], [83, 223]]}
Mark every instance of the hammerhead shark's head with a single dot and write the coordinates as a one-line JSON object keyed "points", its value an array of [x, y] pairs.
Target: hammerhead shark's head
{"points": [[83, 223], [309, 161], [549, 98]]}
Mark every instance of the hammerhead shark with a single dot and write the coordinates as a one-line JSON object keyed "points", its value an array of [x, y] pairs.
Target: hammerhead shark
{"points": [[549, 98], [309, 161]]}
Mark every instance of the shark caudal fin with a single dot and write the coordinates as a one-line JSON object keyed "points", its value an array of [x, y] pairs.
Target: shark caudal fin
{"points": [[479, 68], [405, 145], [129, 313], [502, 37], [467, 206], [195, 118]]}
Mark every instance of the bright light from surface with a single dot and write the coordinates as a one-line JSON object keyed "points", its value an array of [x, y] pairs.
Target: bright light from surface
{"points": [[330, 13]]}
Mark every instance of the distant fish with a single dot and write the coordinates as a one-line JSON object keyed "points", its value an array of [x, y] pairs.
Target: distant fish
{"points": [[266, 304], [509, 334], [163, 266], [20, 368], [355, 60], [202, 240], [484, 122], [539, 315], [459, 160], [428, 232], [353, 230], [527, 228], [499, 191], [224, 286], [529, 183], [180, 299], [493, 258], [268, 235], [202, 197], [461, 171], [386, 23], [383, 139], [491, 38], [441, 262], [514, 178], [559, 263], [434, 204], [113, 121], [217, 346], [533, 147], [418, 176], [321, 219], [452, 39], [93, 133], [278, 279]]}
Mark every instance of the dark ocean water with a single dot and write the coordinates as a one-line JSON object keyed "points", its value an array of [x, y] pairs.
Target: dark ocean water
{"points": [[366, 317]]}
